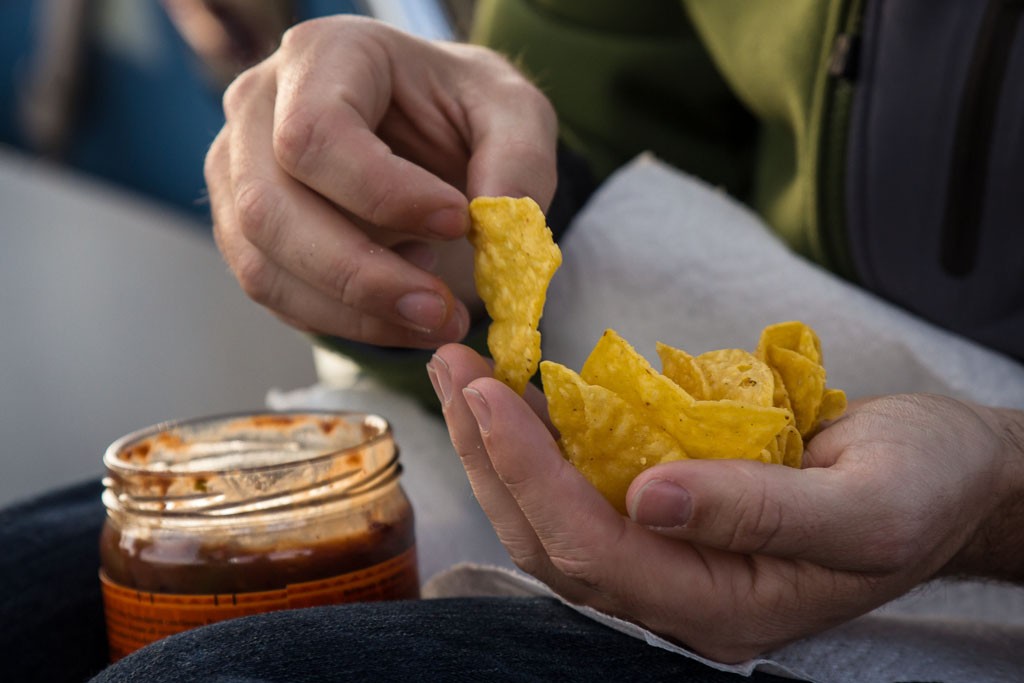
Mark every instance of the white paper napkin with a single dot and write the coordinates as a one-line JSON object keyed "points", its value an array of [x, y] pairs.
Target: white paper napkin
{"points": [[660, 256]]}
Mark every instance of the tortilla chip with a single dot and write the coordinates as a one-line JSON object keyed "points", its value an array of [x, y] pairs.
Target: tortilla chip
{"points": [[514, 261]]}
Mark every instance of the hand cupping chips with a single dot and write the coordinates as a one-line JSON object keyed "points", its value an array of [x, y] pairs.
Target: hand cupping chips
{"points": [[619, 416], [515, 258]]}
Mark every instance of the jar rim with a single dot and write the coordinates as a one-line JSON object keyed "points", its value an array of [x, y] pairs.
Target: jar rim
{"points": [[271, 460], [113, 461]]}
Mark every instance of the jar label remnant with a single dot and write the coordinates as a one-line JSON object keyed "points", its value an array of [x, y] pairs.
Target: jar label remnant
{"points": [[137, 618]]}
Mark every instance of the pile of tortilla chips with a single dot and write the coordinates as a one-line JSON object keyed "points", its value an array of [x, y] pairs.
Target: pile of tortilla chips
{"points": [[619, 416]]}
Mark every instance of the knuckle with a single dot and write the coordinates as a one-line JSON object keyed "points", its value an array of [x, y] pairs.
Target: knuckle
{"points": [[516, 481], [255, 274], [588, 564], [258, 210], [505, 80], [502, 72], [245, 86], [298, 140], [531, 561], [343, 278], [477, 55], [341, 28], [538, 102], [216, 158], [517, 88], [760, 520], [471, 452], [578, 566], [378, 199], [301, 34], [536, 156], [373, 199], [773, 601]]}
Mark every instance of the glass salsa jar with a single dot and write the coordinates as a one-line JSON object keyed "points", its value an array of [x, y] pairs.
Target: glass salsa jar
{"points": [[222, 517]]}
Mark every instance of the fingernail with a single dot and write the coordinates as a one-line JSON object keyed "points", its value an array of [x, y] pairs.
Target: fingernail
{"points": [[425, 310], [481, 411], [661, 503], [441, 377], [447, 223], [452, 331]]}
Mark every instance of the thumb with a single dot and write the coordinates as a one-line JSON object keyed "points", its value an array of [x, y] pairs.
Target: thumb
{"points": [[748, 507], [513, 146]]}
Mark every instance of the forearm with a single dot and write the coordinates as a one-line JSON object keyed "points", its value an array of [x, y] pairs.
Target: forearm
{"points": [[996, 550]]}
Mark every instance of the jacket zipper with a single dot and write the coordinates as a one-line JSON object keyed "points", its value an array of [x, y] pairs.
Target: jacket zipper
{"points": [[843, 65], [968, 178]]}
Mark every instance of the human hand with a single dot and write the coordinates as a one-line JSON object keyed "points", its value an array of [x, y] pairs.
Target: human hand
{"points": [[339, 182], [755, 555]]}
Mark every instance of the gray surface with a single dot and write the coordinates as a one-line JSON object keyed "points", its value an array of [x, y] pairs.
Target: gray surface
{"points": [[115, 314]]}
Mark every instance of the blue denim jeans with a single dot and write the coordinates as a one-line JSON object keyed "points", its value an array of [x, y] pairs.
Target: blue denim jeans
{"points": [[53, 627]]}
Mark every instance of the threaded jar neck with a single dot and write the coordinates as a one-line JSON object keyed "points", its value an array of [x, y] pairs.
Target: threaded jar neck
{"points": [[226, 467]]}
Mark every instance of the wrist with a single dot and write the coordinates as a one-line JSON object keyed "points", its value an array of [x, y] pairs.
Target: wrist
{"points": [[996, 549]]}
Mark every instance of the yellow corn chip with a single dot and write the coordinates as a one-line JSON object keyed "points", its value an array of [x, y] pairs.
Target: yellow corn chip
{"points": [[780, 399], [515, 258], [729, 429], [792, 335], [791, 445], [805, 384], [604, 437], [833, 404], [737, 375], [619, 416], [682, 368], [793, 351], [615, 365], [705, 429]]}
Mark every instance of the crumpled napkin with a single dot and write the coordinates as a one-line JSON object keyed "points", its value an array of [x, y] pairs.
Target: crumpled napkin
{"points": [[660, 256]]}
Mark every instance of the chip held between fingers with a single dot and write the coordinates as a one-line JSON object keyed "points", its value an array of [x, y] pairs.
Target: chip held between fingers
{"points": [[515, 258]]}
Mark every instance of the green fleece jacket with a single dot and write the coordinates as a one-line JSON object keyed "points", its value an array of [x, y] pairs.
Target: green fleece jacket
{"points": [[734, 91]]}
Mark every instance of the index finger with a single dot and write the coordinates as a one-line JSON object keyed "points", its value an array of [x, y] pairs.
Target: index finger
{"points": [[514, 135], [594, 549], [310, 241], [325, 119], [573, 522]]}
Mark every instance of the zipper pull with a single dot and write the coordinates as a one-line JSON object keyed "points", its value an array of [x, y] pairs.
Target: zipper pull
{"points": [[844, 60]]}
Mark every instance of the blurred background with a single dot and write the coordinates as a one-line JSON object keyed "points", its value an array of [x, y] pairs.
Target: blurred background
{"points": [[116, 311]]}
